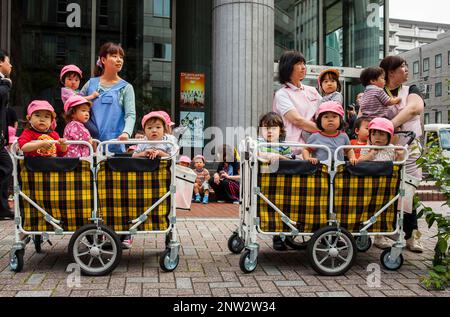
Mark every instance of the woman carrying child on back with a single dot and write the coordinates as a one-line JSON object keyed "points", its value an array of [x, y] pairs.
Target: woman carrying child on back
{"points": [[330, 122], [70, 78], [41, 118], [76, 110]]}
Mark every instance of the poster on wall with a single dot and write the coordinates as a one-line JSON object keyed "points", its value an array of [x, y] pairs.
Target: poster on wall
{"points": [[194, 123], [192, 90]]}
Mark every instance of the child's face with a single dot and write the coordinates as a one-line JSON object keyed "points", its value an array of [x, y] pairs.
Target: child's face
{"points": [[81, 113], [41, 120], [154, 129], [363, 132], [270, 134], [330, 122], [198, 163], [72, 81], [139, 136], [329, 85], [185, 164], [379, 138], [379, 82]]}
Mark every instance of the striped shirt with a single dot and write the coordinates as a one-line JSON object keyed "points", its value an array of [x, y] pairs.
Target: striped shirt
{"points": [[374, 102]]}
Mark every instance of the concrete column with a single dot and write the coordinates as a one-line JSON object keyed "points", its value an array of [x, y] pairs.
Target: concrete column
{"points": [[243, 48]]}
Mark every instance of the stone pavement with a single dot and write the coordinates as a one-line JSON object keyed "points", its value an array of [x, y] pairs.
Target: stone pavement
{"points": [[207, 268]]}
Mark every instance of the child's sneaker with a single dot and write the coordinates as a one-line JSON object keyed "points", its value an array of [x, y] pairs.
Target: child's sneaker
{"points": [[127, 243], [197, 198], [205, 199]]}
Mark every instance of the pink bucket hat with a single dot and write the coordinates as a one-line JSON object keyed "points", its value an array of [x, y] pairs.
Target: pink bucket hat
{"points": [[74, 101], [331, 106], [153, 114], [167, 118], [70, 68], [36, 105], [199, 157], [382, 124], [184, 159]]}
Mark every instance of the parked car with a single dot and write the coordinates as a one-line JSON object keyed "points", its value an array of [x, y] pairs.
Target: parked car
{"points": [[438, 135]]}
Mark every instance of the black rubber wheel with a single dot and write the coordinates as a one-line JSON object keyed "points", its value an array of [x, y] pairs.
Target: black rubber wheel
{"points": [[37, 239], [331, 251], [235, 243], [166, 264], [96, 249], [245, 263], [363, 247], [16, 262], [297, 242], [387, 263]]}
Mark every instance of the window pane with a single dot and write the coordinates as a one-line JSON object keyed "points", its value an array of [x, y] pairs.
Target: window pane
{"points": [[438, 61], [438, 89], [426, 64], [416, 67]]}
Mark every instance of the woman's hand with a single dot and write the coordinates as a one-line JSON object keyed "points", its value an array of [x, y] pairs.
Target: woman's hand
{"points": [[123, 137], [224, 175], [216, 178]]}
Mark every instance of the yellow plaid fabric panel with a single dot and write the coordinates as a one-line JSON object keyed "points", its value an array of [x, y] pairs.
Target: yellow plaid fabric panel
{"points": [[67, 196], [302, 198], [124, 196], [357, 199]]}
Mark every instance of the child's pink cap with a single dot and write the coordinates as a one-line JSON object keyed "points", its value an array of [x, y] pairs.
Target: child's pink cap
{"points": [[331, 106], [167, 118], [153, 114], [382, 124], [11, 134], [74, 101], [200, 157], [184, 159], [36, 105], [70, 68]]}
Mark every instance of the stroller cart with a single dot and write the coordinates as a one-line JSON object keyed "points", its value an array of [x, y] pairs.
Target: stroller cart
{"points": [[57, 196], [137, 195], [321, 208]]}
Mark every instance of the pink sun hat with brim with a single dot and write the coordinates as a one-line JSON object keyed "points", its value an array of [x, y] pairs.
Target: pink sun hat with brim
{"points": [[11, 134], [382, 124], [70, 68], [74, 101], [199, 157], [331, 106], [36, 105], [167, 118], [153, 114], [184, 159]]}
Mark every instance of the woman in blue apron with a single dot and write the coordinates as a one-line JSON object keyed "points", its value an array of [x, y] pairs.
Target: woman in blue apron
{"points": [[113, 112]]}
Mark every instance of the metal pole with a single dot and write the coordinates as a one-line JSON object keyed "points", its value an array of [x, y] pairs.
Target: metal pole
{"points": [[174, 57], [321, 41], [386, 27], [93, 32]]}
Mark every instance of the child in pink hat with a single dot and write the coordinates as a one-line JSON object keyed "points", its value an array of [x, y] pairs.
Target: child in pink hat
{"points": [[330, 121], [184, 161], [77, 110], [70, 78], [201, 185], [41, 117]]}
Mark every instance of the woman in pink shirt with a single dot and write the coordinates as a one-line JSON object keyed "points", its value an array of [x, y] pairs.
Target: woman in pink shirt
{"points": [[295, 102]]}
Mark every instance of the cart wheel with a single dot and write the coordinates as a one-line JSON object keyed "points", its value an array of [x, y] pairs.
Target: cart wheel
{"points": [[363, 247], [235, 243], [246, 265], [16, 261], [388, 263], [37, 239], [166, 264], [96, 249], [297, 242], [331, 251]]}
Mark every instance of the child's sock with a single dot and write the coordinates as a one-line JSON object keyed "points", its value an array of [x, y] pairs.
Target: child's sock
{"points": [[197, 198], [205, 199]]}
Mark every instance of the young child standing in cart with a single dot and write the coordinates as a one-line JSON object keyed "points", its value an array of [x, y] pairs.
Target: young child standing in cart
{"points": [[330, 121], [76, 110], [362, 134], [41, 119]]}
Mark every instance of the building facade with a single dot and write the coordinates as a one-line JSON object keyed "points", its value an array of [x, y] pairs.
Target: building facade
{"points": [[406, 35], [429, 68], [208, 63]]}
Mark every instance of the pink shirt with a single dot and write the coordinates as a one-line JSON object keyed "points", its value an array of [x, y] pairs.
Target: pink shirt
{"points": [[304, 99], [76, 131]]}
